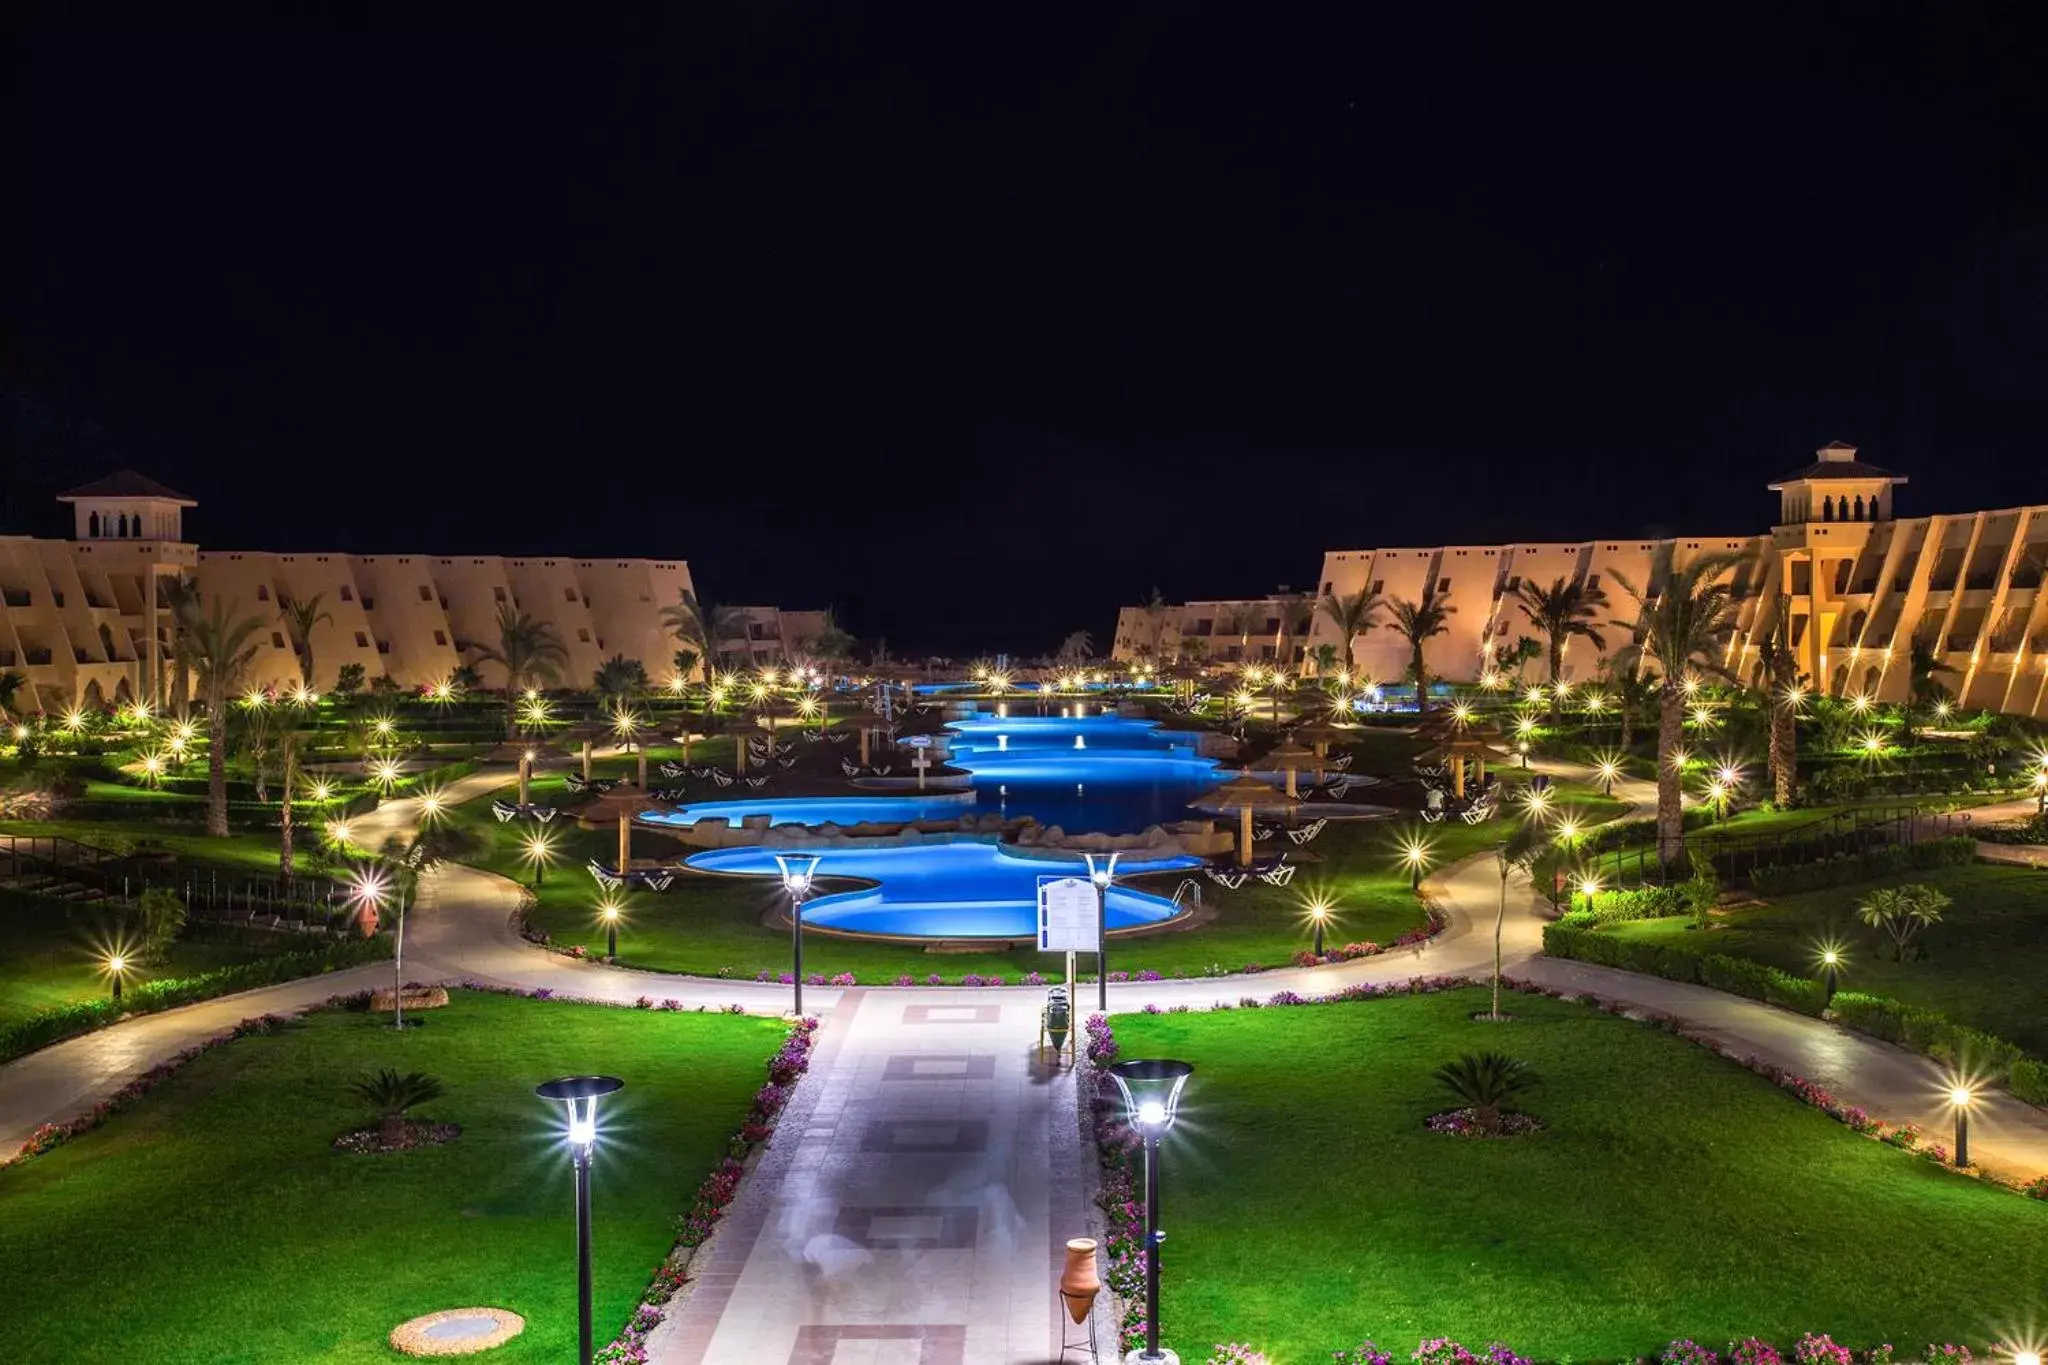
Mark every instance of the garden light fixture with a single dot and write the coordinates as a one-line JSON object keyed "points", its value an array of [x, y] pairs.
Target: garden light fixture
{"points": [[1960, 1098], [1596, 702], [116, 964], [1101, 872], [1536, 803], [1831, 971], [1522, 750], [579, 1096], [1318, 914], [1861, 702], [1151, 1091], [540, 851], [1415, 853], [1690, 686], [1610, 771], [608, 910], [798, 872]]}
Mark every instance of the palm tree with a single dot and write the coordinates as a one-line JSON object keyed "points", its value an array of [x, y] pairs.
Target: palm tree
{"points": [[1560, 611], [292, 742], [299, 619], [179, 598], [700, 627], [1678, 628], [618, 679], [10, 684], [391, 1094], [530, 652], [222, 649], [1075, 650], [1924, 689], [1519, 852], [1778, 677], [1485, 1081], [1156, 609], [1418, 623], [1294, 616], [1353, 615], [833, 644], [1241, 621]]}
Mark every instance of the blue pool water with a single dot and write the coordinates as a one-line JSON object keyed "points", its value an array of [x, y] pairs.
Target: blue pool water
{"points": [[1100, 774], [960, 890]]}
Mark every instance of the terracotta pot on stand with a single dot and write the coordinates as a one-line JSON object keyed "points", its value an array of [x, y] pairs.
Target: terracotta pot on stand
{"points": [[1080, 1282]]}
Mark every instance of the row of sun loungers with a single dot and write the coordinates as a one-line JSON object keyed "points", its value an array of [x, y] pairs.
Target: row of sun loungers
{"points": [[1483, 807], [506, 810], [1274, 871], [596, 786], [853, 770], [652, 878]]}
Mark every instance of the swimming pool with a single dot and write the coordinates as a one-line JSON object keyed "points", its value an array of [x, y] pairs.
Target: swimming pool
{"points": [[1096, 774], [955, 890]]}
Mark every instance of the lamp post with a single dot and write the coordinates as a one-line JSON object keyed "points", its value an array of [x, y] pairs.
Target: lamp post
{"points": [[1415, 852], [797, 870], [579, 1095], [609, 910], [1151, 1096], [1101, 871], [1318, 913], [1961, 1098], [1831, 970], [116, 965]]}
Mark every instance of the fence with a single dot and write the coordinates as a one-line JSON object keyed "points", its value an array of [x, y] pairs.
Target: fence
{"points": [[1844, 834], [64, 869]]}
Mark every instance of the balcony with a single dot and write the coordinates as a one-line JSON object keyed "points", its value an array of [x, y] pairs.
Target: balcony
{"points": [[1980, 582], [37, 657], [15, 597], [1960, 643], [2006, 644]]}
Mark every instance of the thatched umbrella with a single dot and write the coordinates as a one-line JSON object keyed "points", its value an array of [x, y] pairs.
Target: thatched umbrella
{"points": [[868, 723], [1321, 734], [1245, 794], [1459, 750], [620, 804], [1289, 758]]}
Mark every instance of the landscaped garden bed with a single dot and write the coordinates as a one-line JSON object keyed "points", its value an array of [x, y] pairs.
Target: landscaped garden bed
{"points": [[1669, 1194], [242, 1234]]}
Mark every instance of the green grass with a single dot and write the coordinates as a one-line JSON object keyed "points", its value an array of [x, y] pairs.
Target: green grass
{"points": [[214, 1223], [1985, 961], [1671, 1194], [56, 961], [712, 925]]}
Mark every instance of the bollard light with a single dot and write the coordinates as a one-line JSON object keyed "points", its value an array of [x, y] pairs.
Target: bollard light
{"points": [[579, 1096], [608, 911], [1151, 1091], [1960, 1098], [1318, 914], [116, 964]]}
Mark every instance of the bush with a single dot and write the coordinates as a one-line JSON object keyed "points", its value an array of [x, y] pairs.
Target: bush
{"points": [[1882, 861], [1646, 902], [160, 917]]}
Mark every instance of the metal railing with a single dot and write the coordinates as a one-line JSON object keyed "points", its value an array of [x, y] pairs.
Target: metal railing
{"points": [[63, 870], [1182, 893], [1844, 834]]}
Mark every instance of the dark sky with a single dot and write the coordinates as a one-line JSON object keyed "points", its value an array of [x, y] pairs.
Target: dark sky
{"points": [[974, 320]]}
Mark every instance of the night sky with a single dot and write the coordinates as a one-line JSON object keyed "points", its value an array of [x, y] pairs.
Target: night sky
{"points": [[977, 319]]}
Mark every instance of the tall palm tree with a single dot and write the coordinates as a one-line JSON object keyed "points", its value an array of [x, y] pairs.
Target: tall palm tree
{"points": [[291, 741], [178, 596], [1560, 611], [1418, 623], [618, 679], [1294, 617], [1075, 650], [222, 649], [1678, 628], [299, 619], [1924, 688], [1778, 677], [530, 653], [701, 627], [1353, 615]]}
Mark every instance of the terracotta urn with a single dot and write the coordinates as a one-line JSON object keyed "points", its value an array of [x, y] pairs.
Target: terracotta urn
{"points": [[1079, 1282]]}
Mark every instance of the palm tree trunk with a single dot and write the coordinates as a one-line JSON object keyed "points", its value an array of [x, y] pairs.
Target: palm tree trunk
{"points": [[1628, 719], [1556, 668], [183, 678], [284, 838], [1670, 800], [1421, 684], [216, 763], [1784, 754]]}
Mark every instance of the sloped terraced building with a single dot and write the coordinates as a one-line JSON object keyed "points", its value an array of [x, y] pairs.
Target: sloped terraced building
{"points": [[77, 614], [1858, 583]]}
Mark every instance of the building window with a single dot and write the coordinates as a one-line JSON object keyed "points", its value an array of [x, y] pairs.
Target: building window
{"points": [[276, 640], [583, 634], [1443, 585], [1379, 585], [1593, 583], [440, 637], [348, 594], [426, 593], [498, 593], [362, 640], [262, 593]]}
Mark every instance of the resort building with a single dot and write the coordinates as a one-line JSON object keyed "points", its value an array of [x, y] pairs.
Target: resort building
{"points": [[1270, 629], [1858, 584], [76, 620]]}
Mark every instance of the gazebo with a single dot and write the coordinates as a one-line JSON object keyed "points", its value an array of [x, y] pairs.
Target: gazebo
{"points": [[1459, 750], [1245, 794], [1289, 758]]}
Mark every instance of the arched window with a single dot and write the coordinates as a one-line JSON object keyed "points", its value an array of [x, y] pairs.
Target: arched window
{"points": [[1827, 509], [1859, 507], [92, 526]]}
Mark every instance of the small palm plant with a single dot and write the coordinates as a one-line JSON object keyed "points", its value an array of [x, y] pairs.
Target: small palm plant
{"points": [[391, 1094], [1486, 1081], [1902, 912]]}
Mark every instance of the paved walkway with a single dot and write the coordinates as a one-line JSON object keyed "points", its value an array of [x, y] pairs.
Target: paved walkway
{"points": [[911, 1207]]}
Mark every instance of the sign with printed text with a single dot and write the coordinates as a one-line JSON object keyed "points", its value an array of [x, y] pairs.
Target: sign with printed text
{"points": [[1066, 915]]}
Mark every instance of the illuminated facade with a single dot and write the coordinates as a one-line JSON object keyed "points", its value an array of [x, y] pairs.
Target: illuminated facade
{"points": [[76, 614], [1266, 629], [1858, 583]]}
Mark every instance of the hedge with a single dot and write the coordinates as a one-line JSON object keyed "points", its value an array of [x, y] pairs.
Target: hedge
{"points": [[59, 1022], [1922, 1030], [1880, 861]]}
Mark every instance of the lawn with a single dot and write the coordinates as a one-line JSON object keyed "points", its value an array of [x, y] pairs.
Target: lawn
{"points": [[1670, 1194], [214, 1223], [712, 925], [51, 957], [1985, 961]]}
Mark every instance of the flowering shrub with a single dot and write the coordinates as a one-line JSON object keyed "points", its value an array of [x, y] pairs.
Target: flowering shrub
{"points": [[1948, 1353], [1365, 1353], [845, 979], [906, 980], [1686, 1351], [934, 980], [1236, 1353], [1033, 979], [1441, 1351], [1818, 1348], [1497, 1353], [1750, 1351], [971, 979], [645, 1002]]}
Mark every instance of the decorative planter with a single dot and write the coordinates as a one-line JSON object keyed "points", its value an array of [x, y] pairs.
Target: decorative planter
{"points": [[1080, 1282]]}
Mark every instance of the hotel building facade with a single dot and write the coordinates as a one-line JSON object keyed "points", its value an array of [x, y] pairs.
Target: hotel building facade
{"points": [[1858, 584], [75, 615]]}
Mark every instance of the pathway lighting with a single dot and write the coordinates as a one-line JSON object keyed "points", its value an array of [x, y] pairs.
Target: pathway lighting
{"points": [[1830, 959], [1536, 802], [608, 910], [1101, 872], [1151, 1093], [798, 873], [1861, 702], [1318, 914], [579, 1096], [1960, 1098], [1415, 853], [1610, 772], [539, 851], [116, 965]]}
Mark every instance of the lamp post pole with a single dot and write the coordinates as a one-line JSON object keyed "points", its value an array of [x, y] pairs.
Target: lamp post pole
{"points": [[1154, 1241], [1101, 871], [797, 870], [1151, 1095], [1961, 1098], [580, 1095]]}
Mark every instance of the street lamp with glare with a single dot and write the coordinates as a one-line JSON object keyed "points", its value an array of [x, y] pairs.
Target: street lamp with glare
{"points": [[1101, 871], [1831, 971], [1415, 853], [798, 871], [1318, 914], [1151, 1094], [579, 1096]]}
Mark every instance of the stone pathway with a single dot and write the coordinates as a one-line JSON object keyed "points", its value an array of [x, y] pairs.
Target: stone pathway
{"points": [[911, 1207]]}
